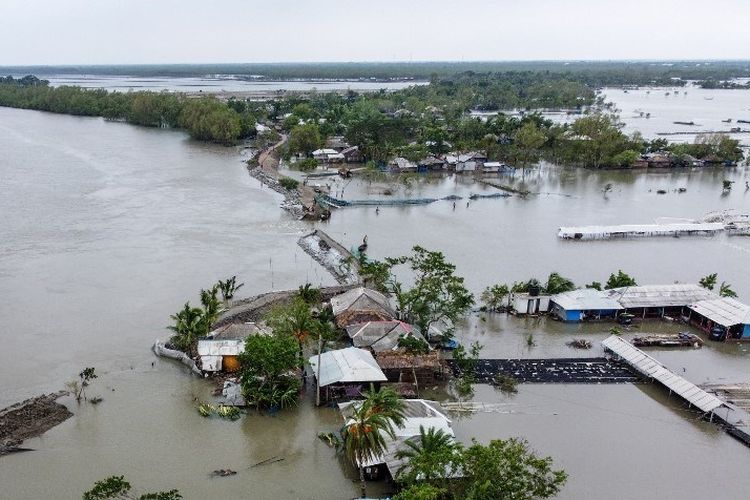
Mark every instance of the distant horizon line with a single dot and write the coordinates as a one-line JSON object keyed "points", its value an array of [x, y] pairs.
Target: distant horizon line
{"points": [[405, 62]]}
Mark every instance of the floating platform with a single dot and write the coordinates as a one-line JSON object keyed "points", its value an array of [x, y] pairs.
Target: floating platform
{"points": [[676, 340], [555, 370], [640, 231]]}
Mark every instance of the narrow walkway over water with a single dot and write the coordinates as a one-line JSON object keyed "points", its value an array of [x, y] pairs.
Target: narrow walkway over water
{"points": [[734, 419]]}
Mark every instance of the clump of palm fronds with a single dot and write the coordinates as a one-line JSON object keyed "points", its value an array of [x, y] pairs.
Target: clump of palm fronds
{"points": [[580, 344], [229, 412], [330, 439], [505, 383], [206, 409]]}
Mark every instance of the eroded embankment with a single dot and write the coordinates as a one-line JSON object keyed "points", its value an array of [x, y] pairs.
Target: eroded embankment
{"points": [[30, 418]]}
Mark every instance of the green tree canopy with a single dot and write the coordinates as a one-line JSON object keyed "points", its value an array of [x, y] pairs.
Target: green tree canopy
{"points": [[618, 280]]}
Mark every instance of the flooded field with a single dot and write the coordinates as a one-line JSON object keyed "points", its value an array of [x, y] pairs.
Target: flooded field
{"points": [[109, 228], [215, 84]]}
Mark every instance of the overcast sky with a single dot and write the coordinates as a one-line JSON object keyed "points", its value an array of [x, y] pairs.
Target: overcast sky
{"points": [[203, 31]]}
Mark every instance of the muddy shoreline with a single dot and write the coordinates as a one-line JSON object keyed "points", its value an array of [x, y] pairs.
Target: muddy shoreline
{"points": [[30, 418]]}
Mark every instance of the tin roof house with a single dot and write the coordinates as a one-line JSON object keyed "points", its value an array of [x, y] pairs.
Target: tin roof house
{"points": [[360, 305], [381, 335], [583, 304], [418, 413], [220, 350], [345, 373], [724, 317]]}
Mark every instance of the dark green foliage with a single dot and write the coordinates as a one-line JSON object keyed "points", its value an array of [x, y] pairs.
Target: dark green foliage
{"points": [[558, 284], [228, 288], [305, 139], [188, 326], [204, 118], [117, 488], [725, 290], [414, 345], [309, 293], [268, 373], [306, 164], [288, 183], [708, 282], [618, 280], [596, 285], [508, 470]]}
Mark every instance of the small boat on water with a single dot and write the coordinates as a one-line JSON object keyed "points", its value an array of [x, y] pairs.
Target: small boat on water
{"points": [[728, 120], [685, 123], [709, 98]]}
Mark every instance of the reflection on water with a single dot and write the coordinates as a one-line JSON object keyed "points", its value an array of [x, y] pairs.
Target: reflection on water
{"points": [[109, 228]]}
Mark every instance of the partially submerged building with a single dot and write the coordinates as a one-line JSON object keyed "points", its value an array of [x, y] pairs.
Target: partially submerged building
{"points": [[360, 305], [418, 370], [656, 301], [530, 303], [220, 350], [345, 373], [724, 318], [381, 335], [418, 413], [584, 304]]}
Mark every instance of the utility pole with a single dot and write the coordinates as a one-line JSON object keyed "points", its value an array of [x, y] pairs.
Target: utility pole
{"points": [[317, 376]]}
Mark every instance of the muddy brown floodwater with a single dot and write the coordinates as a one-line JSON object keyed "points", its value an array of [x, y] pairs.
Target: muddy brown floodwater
{"points": [[108, 228]]}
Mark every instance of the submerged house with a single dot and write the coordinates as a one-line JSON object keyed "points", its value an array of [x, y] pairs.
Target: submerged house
{"points": [[381, 335], [656, 301], [418, 370], [360, 305], [220, 350], [418, 413], [724, 317], [345, 373], [328, 155], [352, 154], [530, 303], [583, 304]]}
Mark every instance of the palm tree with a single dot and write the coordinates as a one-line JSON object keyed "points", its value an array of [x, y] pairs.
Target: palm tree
{"points": [[708, 282], [558, 284], [386, 401], [366, 429], [211, 307], [228, 288], [188, 324], [725, 290], [427, 457], [296, 320]]}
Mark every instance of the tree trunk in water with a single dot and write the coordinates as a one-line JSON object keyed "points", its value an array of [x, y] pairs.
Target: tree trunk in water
{"points": [[362, 484], [301, 360]]}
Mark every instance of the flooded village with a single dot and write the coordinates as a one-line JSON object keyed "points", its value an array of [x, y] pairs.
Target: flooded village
{"points": [[492, 300]]}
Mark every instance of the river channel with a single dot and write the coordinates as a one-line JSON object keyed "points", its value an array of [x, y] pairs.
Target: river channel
{"points": [[108, 228]]}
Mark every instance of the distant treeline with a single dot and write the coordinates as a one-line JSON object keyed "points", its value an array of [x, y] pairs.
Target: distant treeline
{"points": [[204, 118], [592, 73]]}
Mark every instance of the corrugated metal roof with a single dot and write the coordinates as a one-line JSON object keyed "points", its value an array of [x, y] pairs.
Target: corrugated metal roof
{"points": [[725, 311], [585, 299], [347, 365], [380, 335], [352, 299], [418, 412], [660, 295], [649, 367], [210, 347]]}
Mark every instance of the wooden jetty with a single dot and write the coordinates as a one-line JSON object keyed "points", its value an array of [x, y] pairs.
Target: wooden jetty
{"points": [[555, 370], [682, 339]]}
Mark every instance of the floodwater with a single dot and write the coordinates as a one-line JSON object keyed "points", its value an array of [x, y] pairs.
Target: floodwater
{"points": [[216, 85], [109, 228]]}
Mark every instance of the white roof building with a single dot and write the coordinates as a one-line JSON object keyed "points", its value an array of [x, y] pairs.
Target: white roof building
{"points": [[585, 299], [418, 413], [348, 365], [227, 340], [724, 311], [677, 295]]}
